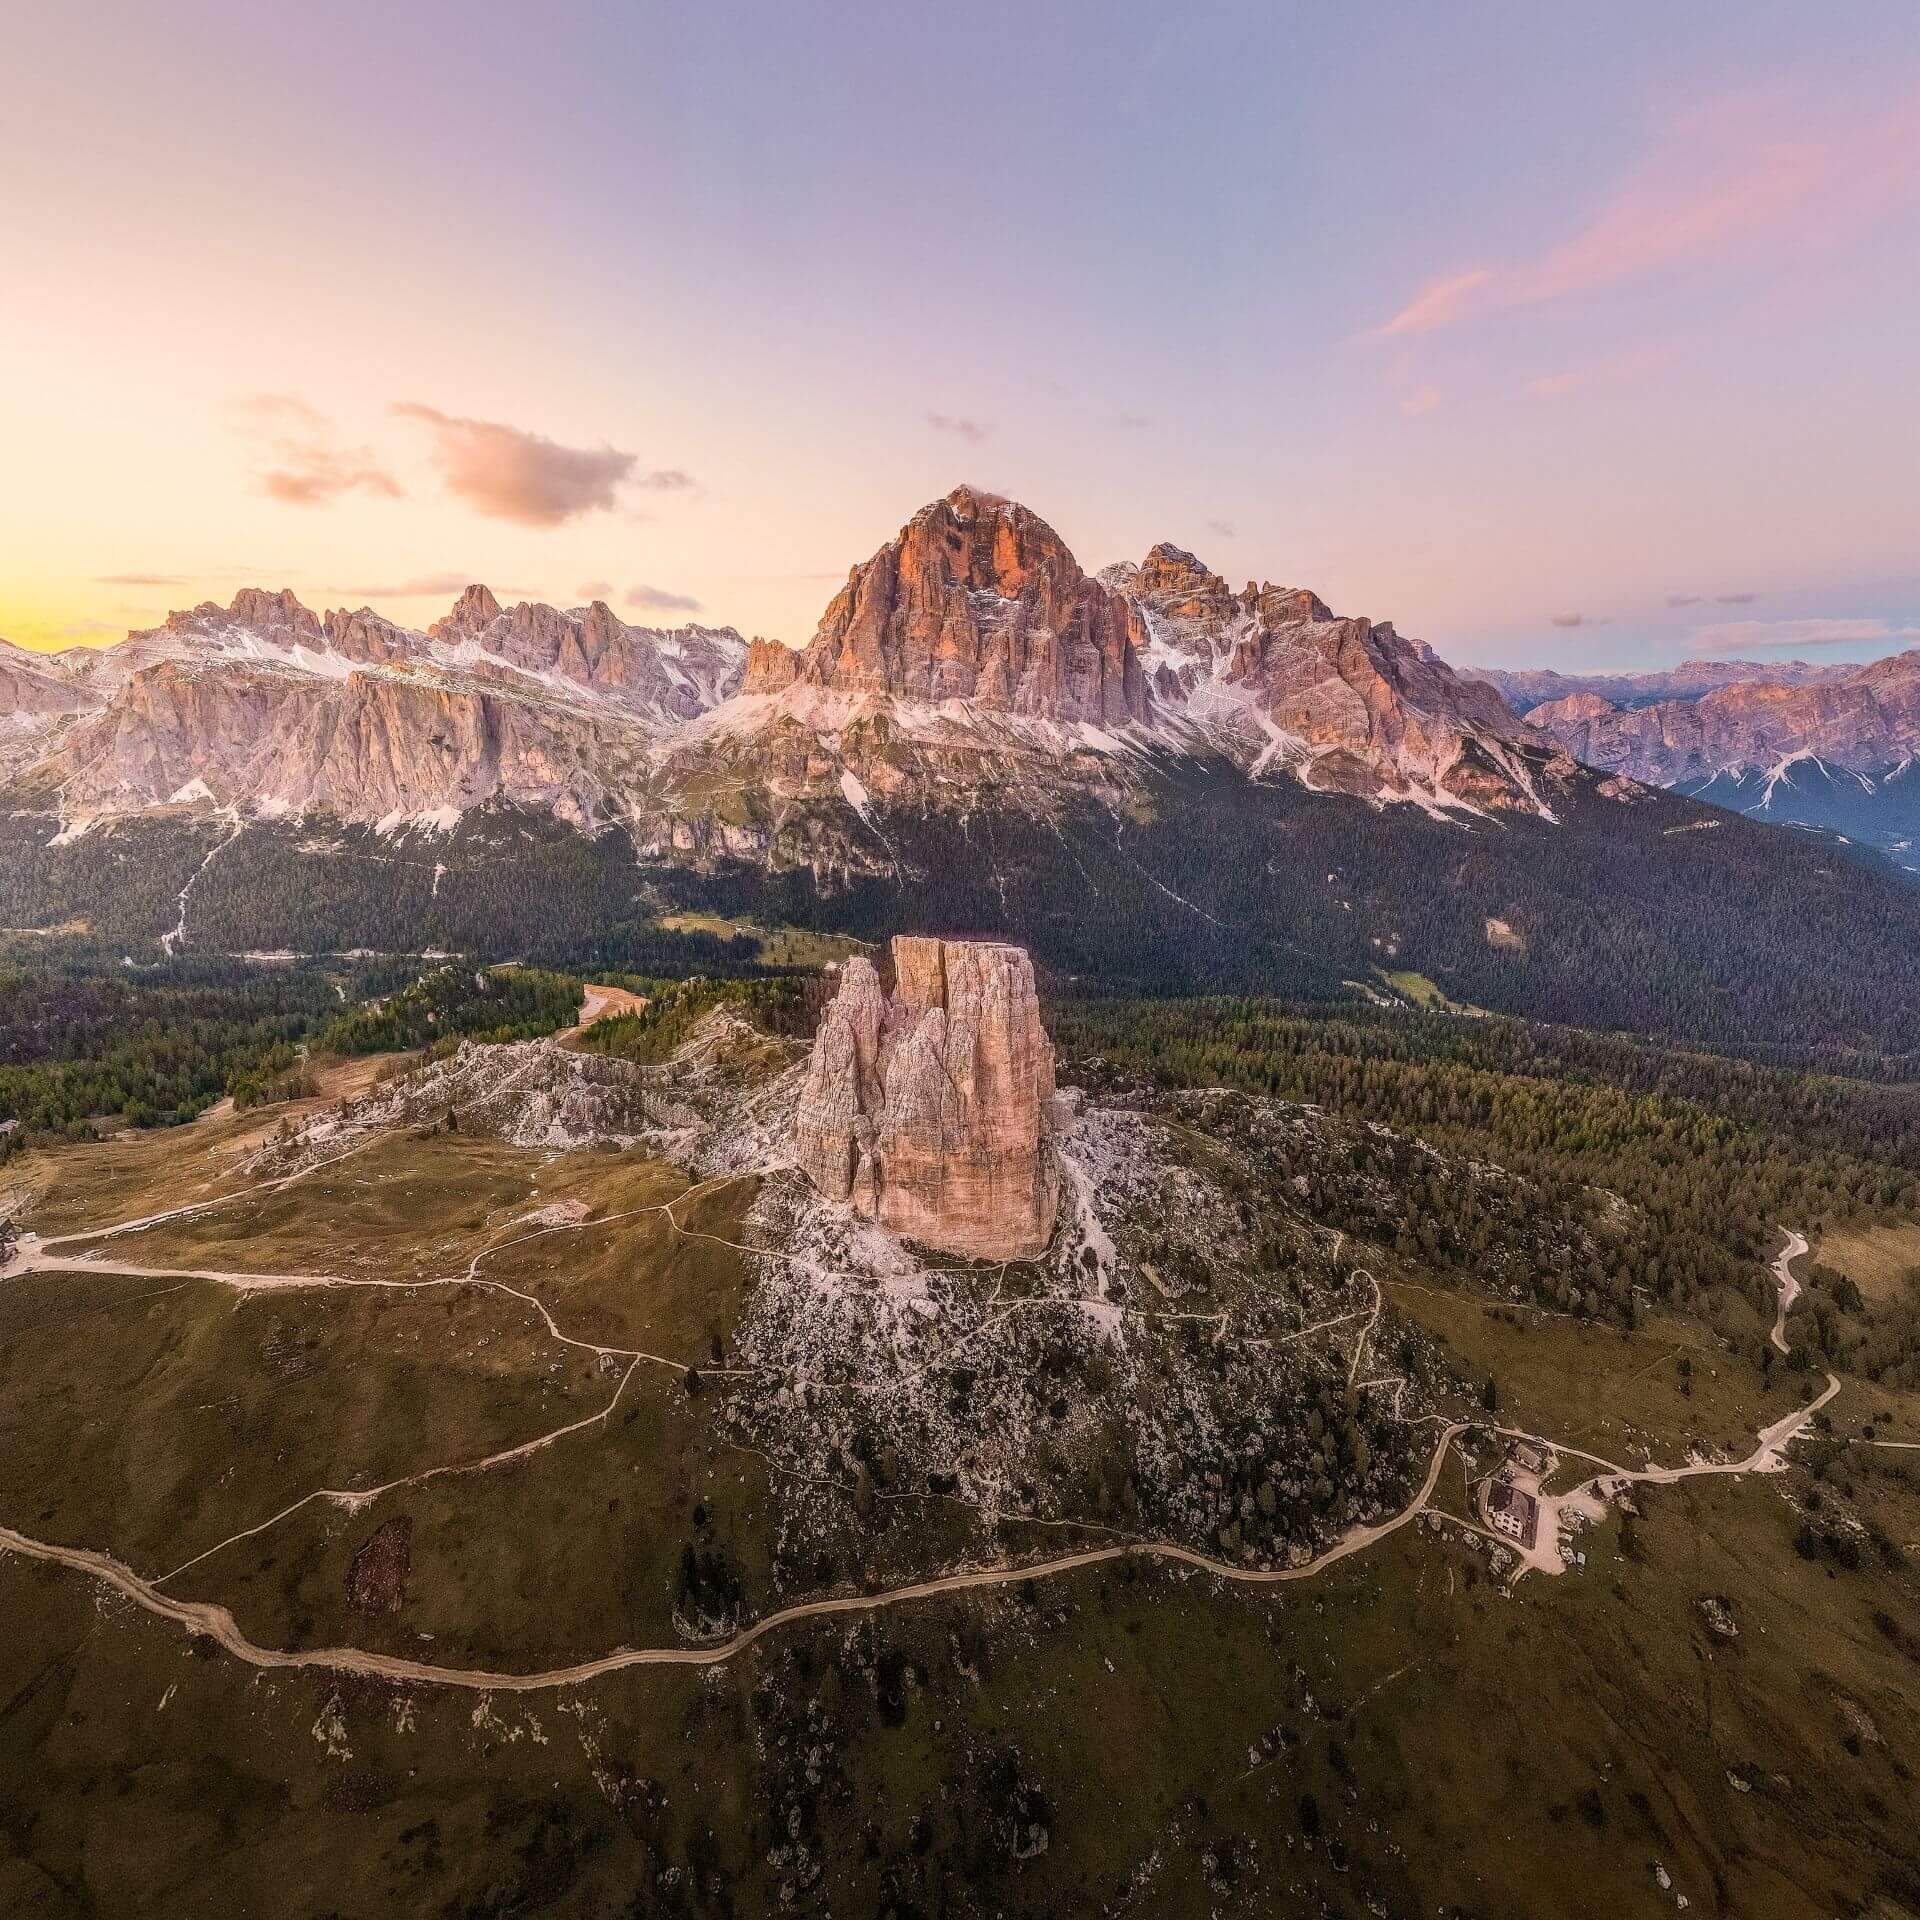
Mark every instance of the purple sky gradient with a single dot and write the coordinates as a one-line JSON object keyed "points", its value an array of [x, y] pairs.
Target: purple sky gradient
{"points": [[1513, 327]]}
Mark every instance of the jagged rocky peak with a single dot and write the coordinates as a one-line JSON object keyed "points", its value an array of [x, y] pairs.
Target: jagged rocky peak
{"points": [[471, 614], [261, 625], [274, 614], [1345, 704], [34, 684], [976, 598], [930, 1108], [676, 673], [278, 618], [1575, 707]]}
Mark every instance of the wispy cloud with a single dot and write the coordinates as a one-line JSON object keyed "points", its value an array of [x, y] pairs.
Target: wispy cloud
{"points": [[1132, 422], [594, 590], [659, 600], [1421, 400], [303, 464], [285, 411], [1577, 620], [1441, 302], [971, 431], [1745, 599], [420, 586], [1619, 371], [142, 579], [1749, 636], [509, 473], [318, 476], [1741, 177]]}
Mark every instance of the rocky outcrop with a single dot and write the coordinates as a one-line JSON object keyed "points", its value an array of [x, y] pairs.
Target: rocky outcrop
{"points": [[266, 705], [32, 689], [38, 702], [369, 746], [929, 1109], [1863, 721], [976, 599], [669, 674], [1346, 705]]}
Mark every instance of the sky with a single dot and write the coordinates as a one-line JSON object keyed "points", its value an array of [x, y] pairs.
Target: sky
{"points": [[1560, 337]]}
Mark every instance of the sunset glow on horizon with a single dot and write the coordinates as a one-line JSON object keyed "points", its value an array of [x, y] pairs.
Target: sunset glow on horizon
{"points": [[1558, 341]]}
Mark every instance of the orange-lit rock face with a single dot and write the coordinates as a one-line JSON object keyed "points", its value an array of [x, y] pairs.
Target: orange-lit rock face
{"points": [[930, 1109], [976, 598]]}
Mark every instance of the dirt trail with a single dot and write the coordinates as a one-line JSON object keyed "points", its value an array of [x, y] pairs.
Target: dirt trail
{"points": [[1789, 1286], [599, 1003], [219, 1625], [30, 1257]]}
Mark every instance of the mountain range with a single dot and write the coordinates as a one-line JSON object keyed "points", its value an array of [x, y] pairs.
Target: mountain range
{"points": [[1526, 687], [973, 640], [1153, 778], [1833, 748]]}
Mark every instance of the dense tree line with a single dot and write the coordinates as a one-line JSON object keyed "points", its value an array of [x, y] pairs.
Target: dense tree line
{"points": [[81, 1038], [456, 1002], [786, 1006], [1620, 915], [85, 1038], [504, 885], [1708, 1175]]}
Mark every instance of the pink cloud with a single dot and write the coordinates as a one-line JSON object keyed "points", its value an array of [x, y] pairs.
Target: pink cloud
{"points": [[511, 474], [1441, 302], [317, 476], [660, 600], [1616, 372], [971, 431], [309, 467], [1421, 400], [1727, 182]]}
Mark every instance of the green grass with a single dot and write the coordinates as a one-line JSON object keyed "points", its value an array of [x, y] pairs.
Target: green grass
{"points": [[778, 946], [1595, 1386], [1464, 1749], [154, 1418], [1466, 1752], [1877, 1259], [1417, 990]]}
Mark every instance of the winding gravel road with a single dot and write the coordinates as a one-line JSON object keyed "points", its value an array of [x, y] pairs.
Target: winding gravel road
{"points": [[217, 1623]]}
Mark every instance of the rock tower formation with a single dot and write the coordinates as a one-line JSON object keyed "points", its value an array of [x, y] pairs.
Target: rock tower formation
{"points": [[930, 1109]]}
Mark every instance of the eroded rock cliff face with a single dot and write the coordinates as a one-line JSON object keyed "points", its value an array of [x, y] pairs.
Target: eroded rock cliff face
{"points": [[1346, 705], [269, 707], [976, 598], [930, 1109], [968, 667], [1863, 719], [671, 675], [367, 746]]}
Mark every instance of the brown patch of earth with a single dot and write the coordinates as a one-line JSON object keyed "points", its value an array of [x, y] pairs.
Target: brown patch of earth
{"points": [[377, 1574]]}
